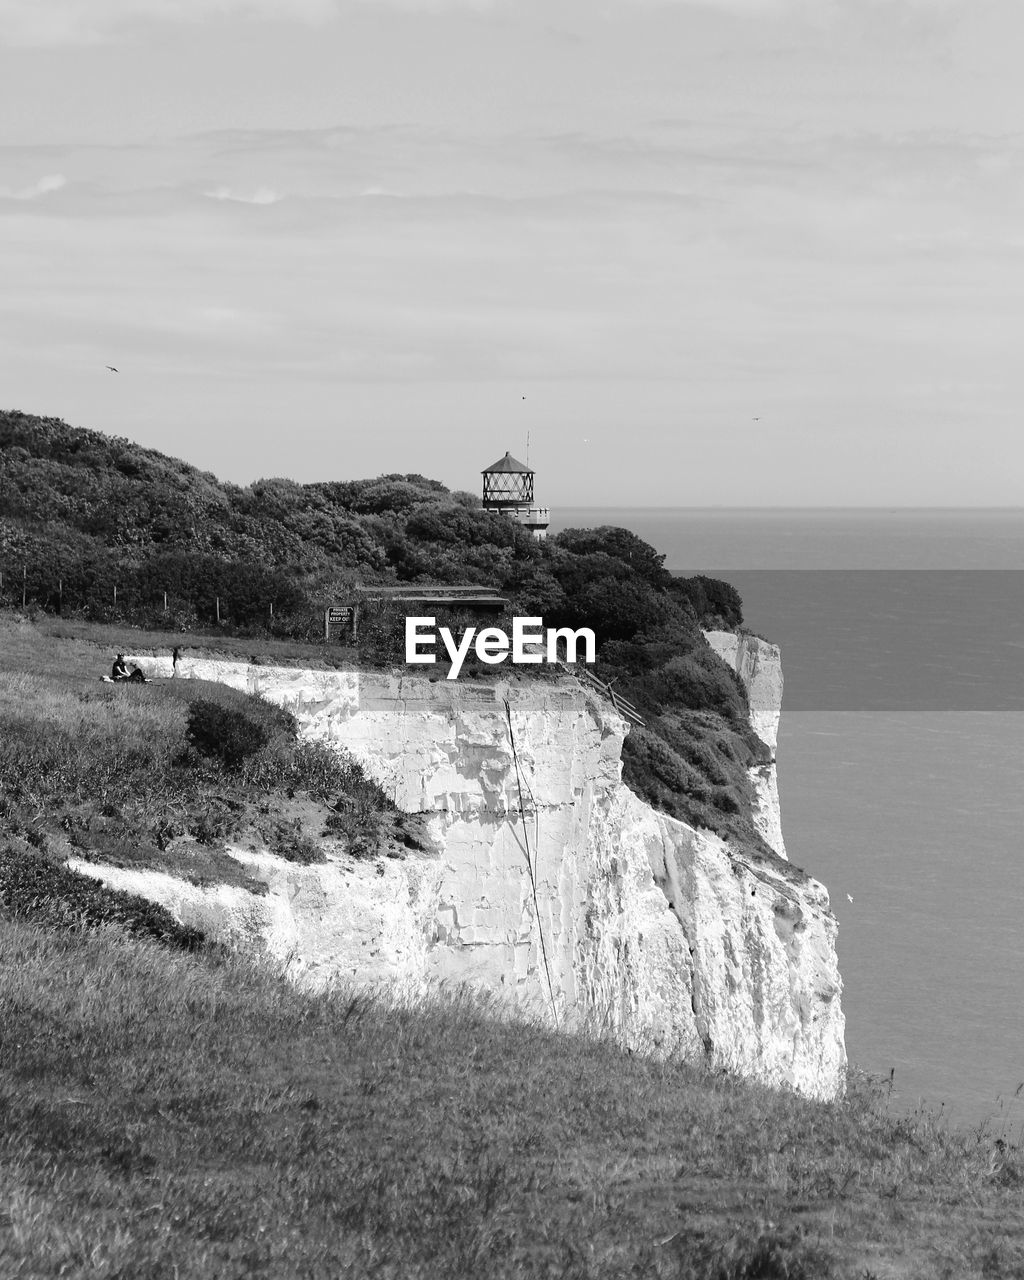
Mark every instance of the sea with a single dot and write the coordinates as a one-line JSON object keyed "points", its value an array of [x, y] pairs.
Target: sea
{"points": [[901, 768]]}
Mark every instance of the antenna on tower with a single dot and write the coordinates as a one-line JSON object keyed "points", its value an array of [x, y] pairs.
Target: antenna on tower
{"points": [[527, 448]]}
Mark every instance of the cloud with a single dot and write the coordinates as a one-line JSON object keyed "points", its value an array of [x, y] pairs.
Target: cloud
{"points": [[76, 22], [262, 195], [52, 182], [57, 22], [817, 12]]}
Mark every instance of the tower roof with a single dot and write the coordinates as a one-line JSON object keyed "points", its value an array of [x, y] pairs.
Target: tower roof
{"points": [[508, 463]]}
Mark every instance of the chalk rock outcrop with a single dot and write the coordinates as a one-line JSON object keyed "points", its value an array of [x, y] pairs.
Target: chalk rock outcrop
{"points": [[759, 665], [554, 881]]}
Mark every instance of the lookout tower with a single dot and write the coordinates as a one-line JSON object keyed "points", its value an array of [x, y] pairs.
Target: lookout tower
{"points": [[508, 488]]}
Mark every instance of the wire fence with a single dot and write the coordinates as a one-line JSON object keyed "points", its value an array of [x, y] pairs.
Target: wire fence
{"points": [[114, 598]]}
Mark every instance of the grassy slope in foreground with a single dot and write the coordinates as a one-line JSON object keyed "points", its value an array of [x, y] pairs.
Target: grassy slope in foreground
{"points": [[194, 1116]]}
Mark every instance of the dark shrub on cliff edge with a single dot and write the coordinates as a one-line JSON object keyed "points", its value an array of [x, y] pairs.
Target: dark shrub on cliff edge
{"points": [[225, 734], [715, 603], [638, 556]]}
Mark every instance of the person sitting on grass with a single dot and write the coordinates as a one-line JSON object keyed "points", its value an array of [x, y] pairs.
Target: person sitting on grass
{"points": [[119, 671]]}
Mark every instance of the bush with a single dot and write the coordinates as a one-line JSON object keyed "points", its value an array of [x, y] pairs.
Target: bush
{"points": [[34, 887], [602, 592], [382, 635], [716, 604], [277, 723], [364, 827], [223, 733], [660, 774], [700, 681], [325, 772], [362, 813], [286, 838], [641, 559]]}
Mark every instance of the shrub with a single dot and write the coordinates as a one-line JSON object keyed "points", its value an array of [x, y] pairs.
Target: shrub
{"points": [[324, 772], [382, 635], [639, 556], [660, 774], [287, 839], [364, 828], [224, 734], [363, 813], [455, 524], [210, 822], [701, 681], [602, 592], [715, 603], [268, 769], [275, 721]]}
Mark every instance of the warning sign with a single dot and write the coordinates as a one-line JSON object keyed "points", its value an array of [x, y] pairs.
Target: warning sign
{"points": [[340, 622]]}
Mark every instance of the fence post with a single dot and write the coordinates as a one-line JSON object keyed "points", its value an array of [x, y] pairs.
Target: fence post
{"points": [[218, 608], [165, 602], [24, 587]]}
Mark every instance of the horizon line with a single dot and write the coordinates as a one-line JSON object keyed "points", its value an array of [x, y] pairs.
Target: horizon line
{"points": [[801, 507]]}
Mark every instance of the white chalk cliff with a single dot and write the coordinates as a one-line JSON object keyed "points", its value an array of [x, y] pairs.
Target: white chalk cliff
{"points": [[558, 885], [759, 666]]}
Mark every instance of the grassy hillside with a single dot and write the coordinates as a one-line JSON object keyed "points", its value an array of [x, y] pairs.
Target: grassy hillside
{"points": [[102, 532], [167, 1115], [161, 775], [169, 1110]]}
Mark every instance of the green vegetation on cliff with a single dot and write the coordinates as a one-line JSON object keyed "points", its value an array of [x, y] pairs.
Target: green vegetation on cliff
{"points": [[160, 776], [101, 530]]}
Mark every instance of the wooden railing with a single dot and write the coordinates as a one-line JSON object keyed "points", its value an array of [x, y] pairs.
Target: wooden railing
{"points": [[622, 705]]}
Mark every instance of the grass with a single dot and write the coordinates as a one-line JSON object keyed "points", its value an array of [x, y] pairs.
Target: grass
{"points": [[692, 765], [104, 640], [177, 1115], [37, 888], [137, 776], [169, 1110]]}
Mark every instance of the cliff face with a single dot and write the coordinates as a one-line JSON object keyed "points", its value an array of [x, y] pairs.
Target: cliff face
{"points": [[759, 665], [554, 881]]}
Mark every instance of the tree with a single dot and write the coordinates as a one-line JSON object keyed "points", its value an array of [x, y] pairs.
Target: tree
{"points": [[623, 545]]}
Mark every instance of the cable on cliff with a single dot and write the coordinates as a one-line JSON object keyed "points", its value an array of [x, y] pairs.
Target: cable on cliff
{"points": [[529, 862]]}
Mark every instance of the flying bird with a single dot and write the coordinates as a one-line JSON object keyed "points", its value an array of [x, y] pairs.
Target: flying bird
{"points": [[849, 897], [111, 368]]}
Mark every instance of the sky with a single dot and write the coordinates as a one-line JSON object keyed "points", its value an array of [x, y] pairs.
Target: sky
{"points": [[699, 252]]}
